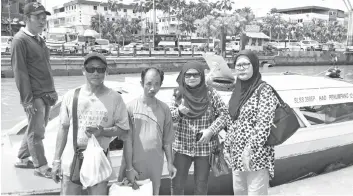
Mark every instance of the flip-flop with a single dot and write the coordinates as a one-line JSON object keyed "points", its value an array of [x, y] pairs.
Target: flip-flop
{"points": [[28, 165], [46, 174]]}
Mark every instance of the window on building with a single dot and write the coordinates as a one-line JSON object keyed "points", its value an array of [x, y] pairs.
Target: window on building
{"points": [[75, 7], [328, 114], [105, 8], [113, 19], [95, 7], [173, 19], [125, 10], [300, 20]]}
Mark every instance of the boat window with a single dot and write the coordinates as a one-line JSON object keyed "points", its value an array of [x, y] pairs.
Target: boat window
{"points": [[328, 114]]}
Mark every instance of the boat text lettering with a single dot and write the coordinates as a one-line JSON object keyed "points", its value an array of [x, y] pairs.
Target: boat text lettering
{"points": [[304, 99]]}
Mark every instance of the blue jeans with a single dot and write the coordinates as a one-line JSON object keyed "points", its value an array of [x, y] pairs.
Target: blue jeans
{"points": [[32, 142], [201, 172]]}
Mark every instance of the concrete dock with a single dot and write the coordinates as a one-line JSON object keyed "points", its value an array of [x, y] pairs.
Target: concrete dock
{"points": [[339, 182]]}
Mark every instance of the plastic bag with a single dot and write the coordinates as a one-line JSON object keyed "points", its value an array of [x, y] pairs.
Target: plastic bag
{"points": [[95, 167], [125, 188]]}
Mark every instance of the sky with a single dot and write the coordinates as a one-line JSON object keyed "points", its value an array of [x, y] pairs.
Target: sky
{"points": [[259, 7]]}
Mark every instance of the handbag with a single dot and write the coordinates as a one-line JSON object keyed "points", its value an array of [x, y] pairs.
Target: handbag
{"points": [[78, 156], [216, 159], [285, 123]]}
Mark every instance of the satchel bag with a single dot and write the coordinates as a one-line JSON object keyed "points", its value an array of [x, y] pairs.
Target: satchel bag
{"points": [[50, 98], [216, 159], [285, 123], [78, 156]]}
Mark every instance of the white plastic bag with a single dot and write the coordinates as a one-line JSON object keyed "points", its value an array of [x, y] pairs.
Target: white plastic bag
{"points": [[95, 167], [125, 188]]}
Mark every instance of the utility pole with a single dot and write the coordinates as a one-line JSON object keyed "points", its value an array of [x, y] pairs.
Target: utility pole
{"points": [[99, 18], [350, 22], [154, 22], [9, 20]]}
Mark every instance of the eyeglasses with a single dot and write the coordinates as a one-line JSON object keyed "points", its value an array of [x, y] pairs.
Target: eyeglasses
{"points": [[240, 66], [93, 69], [195, 75]]}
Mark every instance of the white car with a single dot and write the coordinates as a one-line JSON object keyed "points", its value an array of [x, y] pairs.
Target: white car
{"points": [[5, 43], [310, 45], [293, 46]]}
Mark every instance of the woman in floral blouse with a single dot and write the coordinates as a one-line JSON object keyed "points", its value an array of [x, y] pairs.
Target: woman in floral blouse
{"points": [[197, 109], [251, 115]]}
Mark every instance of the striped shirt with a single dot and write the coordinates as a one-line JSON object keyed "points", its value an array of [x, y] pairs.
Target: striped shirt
{"points": [[213, 119]]}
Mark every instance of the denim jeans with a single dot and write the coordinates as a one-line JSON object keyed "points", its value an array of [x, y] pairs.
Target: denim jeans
{"points": [[201, 172], [251, 182], [32, 142], [70, 188]]}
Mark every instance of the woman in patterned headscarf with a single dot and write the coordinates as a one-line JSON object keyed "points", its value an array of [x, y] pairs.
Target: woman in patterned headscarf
{"points": [[252, 113], [200, 114]]}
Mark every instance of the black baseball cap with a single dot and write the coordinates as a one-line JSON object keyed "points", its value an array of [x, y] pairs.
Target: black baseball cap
{"points": [[35, 8], [95, 55]]}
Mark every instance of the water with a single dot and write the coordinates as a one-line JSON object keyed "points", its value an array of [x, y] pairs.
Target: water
{"points": [[12, 112]]}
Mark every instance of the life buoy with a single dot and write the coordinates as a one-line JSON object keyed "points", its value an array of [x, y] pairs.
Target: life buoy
{"points": [[221, 85]]}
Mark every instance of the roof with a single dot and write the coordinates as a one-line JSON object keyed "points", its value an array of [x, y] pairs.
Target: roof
{"points": [[257, 35], [305, 8]]}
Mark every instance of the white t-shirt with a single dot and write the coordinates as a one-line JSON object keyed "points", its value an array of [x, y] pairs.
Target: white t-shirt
{"points": [[107, 110]]}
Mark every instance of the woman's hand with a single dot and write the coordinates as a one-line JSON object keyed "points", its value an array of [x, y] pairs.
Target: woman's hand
{"points": [[206, 136], [182, 108], [246, 158]]}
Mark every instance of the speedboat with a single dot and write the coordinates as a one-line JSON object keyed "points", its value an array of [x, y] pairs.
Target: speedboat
{"points": [[324, 108]]}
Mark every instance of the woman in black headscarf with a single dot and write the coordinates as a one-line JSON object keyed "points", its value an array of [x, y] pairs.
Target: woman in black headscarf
{"points": [[200, 114], [252, 109]]}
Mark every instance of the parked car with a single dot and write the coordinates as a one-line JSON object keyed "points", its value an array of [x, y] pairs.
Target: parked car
{"points": [[310, 45], [102, 46], [6, 43], [293, 46]]}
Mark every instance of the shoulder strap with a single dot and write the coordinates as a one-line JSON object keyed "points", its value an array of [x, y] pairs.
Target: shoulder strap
{"points": [[262, 85], [74, 118]]}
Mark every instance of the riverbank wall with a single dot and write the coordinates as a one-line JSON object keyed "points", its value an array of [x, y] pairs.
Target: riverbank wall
{"points": [[71, 66]]}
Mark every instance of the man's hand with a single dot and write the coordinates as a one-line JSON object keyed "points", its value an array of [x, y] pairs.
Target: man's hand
{"points": [[96, 131], [182, 108], [246, 158], [172, 170], [132, 175], [30, 109], [56, 172], [206, 136]]}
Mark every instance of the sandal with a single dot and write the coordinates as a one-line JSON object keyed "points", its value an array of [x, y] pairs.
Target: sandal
{"points": [[24, 165], [46, 174]]}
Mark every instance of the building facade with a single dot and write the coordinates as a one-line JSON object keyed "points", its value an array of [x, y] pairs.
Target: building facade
{"points": [[309, 13], [77, 14]]}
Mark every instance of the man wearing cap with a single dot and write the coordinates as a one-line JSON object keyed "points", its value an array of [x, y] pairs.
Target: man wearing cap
{"points": [[31, 64], [100, 111]]}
